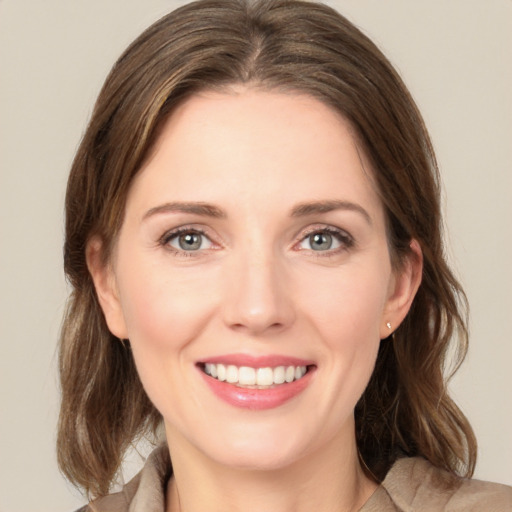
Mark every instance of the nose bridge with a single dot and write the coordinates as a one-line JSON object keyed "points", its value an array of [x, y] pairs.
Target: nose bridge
{"points": [[256, 295]]}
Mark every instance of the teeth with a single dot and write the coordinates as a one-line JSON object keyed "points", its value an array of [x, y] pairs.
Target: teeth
{"points": [[279, 375], [264, 377], [221, 372], [247, 376], [254, 377], [231, 374]]}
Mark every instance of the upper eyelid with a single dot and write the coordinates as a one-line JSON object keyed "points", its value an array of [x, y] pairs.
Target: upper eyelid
{"points": [[316, 228], [193, 228]]}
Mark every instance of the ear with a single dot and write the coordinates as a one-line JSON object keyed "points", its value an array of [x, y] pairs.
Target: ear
{"points": [[403, 287], [106, 288]]}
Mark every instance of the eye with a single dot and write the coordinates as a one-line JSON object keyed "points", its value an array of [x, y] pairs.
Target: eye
{"points": [[189, 241], [322, 240]]}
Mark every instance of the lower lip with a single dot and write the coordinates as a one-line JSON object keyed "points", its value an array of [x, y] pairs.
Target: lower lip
{"points": [[257, 399]]}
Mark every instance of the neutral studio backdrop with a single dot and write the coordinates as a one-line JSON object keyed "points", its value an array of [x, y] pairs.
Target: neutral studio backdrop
{"points": [[456, 57]]}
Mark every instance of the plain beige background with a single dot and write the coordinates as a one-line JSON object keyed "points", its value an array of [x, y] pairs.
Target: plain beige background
{"points": [[456, 57]]}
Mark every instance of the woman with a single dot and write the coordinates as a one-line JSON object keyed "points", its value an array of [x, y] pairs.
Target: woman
{"points": [[253, 239]]}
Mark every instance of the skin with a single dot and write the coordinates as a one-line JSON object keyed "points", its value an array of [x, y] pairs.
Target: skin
{"points": [[256, 286]]}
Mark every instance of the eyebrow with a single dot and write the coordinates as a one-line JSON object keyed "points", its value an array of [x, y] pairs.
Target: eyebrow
{"points": [[316, 207], [203, 209], [300, 210]]}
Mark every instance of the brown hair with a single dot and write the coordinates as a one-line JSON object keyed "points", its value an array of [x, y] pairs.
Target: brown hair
{"points": [[283, 45]]}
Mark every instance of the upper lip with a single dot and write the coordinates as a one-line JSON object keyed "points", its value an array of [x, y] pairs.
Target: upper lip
{"points": [[257, 361]]}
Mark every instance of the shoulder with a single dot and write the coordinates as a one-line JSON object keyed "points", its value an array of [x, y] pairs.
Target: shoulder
{"points": [[145, 492], [413, 484]]}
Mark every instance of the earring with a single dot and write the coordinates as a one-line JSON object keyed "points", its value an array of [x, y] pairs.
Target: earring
{"points": [[391, 334]]}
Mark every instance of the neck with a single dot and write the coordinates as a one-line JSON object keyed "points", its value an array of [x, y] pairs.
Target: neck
{"points": [[331, 479]]}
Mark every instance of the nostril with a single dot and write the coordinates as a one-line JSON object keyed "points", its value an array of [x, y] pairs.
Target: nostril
{"points": [[253, 327]]}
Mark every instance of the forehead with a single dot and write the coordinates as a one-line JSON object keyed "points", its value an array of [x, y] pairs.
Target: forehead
{"points": [[262, 144]]}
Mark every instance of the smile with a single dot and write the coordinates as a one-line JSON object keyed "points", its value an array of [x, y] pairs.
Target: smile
{"points": [[257, 383], [256, 378]]}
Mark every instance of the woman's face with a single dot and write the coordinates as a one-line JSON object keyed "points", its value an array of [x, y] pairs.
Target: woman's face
{"points": [[253, 251]]}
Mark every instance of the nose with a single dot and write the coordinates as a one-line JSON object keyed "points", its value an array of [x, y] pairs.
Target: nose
{"points": [[257, 296]]}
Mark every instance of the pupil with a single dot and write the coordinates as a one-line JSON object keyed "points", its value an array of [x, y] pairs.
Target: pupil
{"points": [[190, 241], [321, 241]]}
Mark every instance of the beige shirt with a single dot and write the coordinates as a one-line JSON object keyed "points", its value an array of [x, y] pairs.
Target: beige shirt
{"points": [[411, 485]]}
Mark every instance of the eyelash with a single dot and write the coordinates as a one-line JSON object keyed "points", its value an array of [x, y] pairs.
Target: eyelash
{"points": [[345, 239], [165, 240]]}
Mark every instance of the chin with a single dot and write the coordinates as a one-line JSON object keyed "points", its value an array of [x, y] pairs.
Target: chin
{"points": [[258, 449], [258, 458]]}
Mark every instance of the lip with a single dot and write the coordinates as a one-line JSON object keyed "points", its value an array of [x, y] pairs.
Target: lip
{"points": [[257, 399], [258, 361]]}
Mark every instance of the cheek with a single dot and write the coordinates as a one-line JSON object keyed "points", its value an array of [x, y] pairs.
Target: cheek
{"points": [[348, 304], [346, 311], [164, 311]]}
